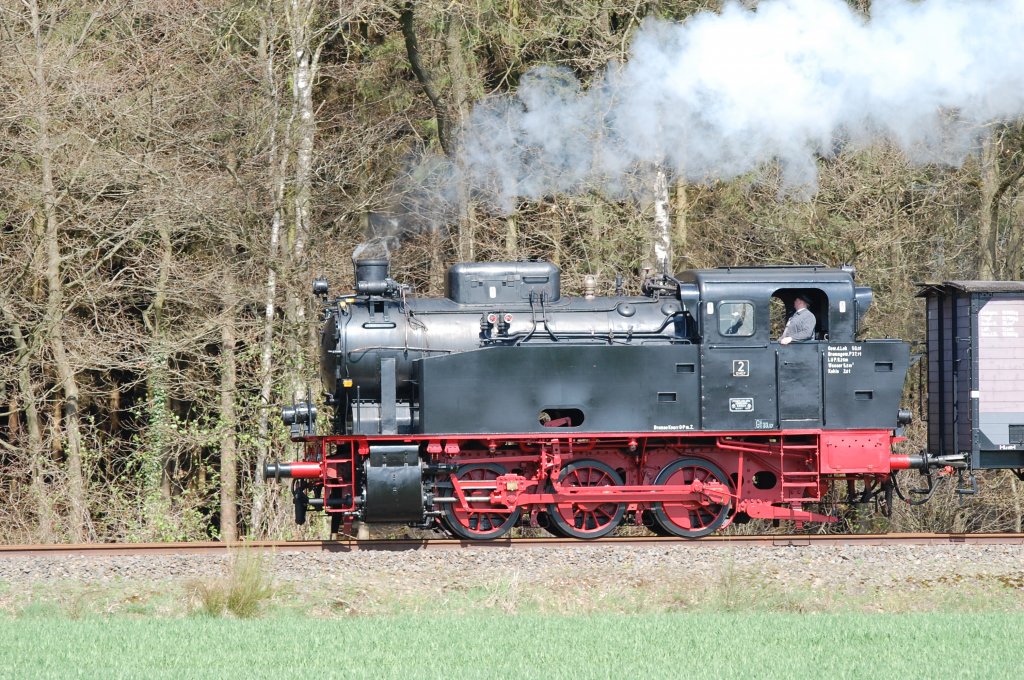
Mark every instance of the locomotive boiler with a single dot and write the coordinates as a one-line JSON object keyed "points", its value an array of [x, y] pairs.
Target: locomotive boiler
{"points": [[507, 403]]}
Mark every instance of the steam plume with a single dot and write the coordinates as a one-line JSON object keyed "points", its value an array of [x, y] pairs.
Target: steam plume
{"points": [[722, 94]]}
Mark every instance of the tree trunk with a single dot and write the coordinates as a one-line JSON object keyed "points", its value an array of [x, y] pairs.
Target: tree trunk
{"points": [[228, 419], [13, 419], [460, 94], [114, 408], [1013, 268], [1018, 515], [993, 187], [437, 269], [36, 447], [304, 68], [303, 75], [155, 463], [277, 161], [55, 321], [661, 239], [986, 226], [407, 20], [511, 238], [682, 210], [597, 249]]}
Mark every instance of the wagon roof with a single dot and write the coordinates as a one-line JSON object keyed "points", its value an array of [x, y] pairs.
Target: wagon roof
{"points": [[971, 287]]}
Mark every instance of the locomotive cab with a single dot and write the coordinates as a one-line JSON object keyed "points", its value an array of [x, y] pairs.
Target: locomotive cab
{"points": [[831, 381], [768, 294]]}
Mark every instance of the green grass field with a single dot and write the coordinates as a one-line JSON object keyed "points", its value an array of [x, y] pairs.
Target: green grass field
{"points": [[495, 646]]}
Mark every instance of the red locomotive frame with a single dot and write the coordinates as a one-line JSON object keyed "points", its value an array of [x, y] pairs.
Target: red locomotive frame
{"points": [[585, 486]]}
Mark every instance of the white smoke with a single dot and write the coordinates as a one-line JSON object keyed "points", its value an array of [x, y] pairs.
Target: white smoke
{"points": [[722, 94]]}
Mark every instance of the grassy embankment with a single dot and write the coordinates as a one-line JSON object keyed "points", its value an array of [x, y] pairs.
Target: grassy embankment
{"points": [[710, 645], [736, 625]]}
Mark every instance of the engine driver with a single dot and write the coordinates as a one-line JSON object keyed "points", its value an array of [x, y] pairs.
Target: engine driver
{"points": [[801, 324]]}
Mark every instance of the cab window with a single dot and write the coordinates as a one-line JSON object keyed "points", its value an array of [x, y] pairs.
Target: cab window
{"points": [[736, 319], [780, 308]]}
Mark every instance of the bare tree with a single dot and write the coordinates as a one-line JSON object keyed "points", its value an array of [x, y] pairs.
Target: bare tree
{"points": [[48, 221], [1001, 169], [279, 141]]}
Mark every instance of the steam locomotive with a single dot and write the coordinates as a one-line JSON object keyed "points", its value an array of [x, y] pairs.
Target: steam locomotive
{"points": [[506, 404]]}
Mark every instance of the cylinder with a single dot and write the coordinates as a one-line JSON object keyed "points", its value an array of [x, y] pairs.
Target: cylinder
{"points": [[393, 494]]}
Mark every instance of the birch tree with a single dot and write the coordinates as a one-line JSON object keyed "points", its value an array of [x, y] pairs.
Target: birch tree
{"points": [[308, 25], [662, 236], [279, 141]]}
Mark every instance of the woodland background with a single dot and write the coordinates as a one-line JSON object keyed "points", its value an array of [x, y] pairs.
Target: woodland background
{"points": [[173, 174]]}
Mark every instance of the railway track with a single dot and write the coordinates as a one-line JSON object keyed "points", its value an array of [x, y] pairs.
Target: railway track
{"points": [[209, 547]]}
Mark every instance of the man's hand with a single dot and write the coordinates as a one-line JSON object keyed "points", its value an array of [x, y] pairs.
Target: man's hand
{"points": [[785, 341]]}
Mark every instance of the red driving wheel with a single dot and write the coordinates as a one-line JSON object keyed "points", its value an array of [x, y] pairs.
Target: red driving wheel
{"points": [[587, 520], [483, 520], [696, 518]]}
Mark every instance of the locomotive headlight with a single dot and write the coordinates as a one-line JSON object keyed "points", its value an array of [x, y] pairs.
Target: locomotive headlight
{"points": [[492, 318], [300, 413], [288, 415], [508, 318]]}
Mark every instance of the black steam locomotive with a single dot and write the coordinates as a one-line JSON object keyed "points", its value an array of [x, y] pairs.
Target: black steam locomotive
{"points": [[506, 403]]}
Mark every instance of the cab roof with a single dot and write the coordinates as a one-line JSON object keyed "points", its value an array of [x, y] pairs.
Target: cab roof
{"points": [[787, 276]]}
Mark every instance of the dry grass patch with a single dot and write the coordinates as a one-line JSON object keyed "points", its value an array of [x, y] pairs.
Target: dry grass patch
{"points": [[241, 592]]}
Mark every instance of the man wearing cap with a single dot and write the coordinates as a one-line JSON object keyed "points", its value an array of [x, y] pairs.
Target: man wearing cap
{"points": [[801, 325]]}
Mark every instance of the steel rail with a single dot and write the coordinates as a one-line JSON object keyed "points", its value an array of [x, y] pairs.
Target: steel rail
{"points": [[391, 545]]}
